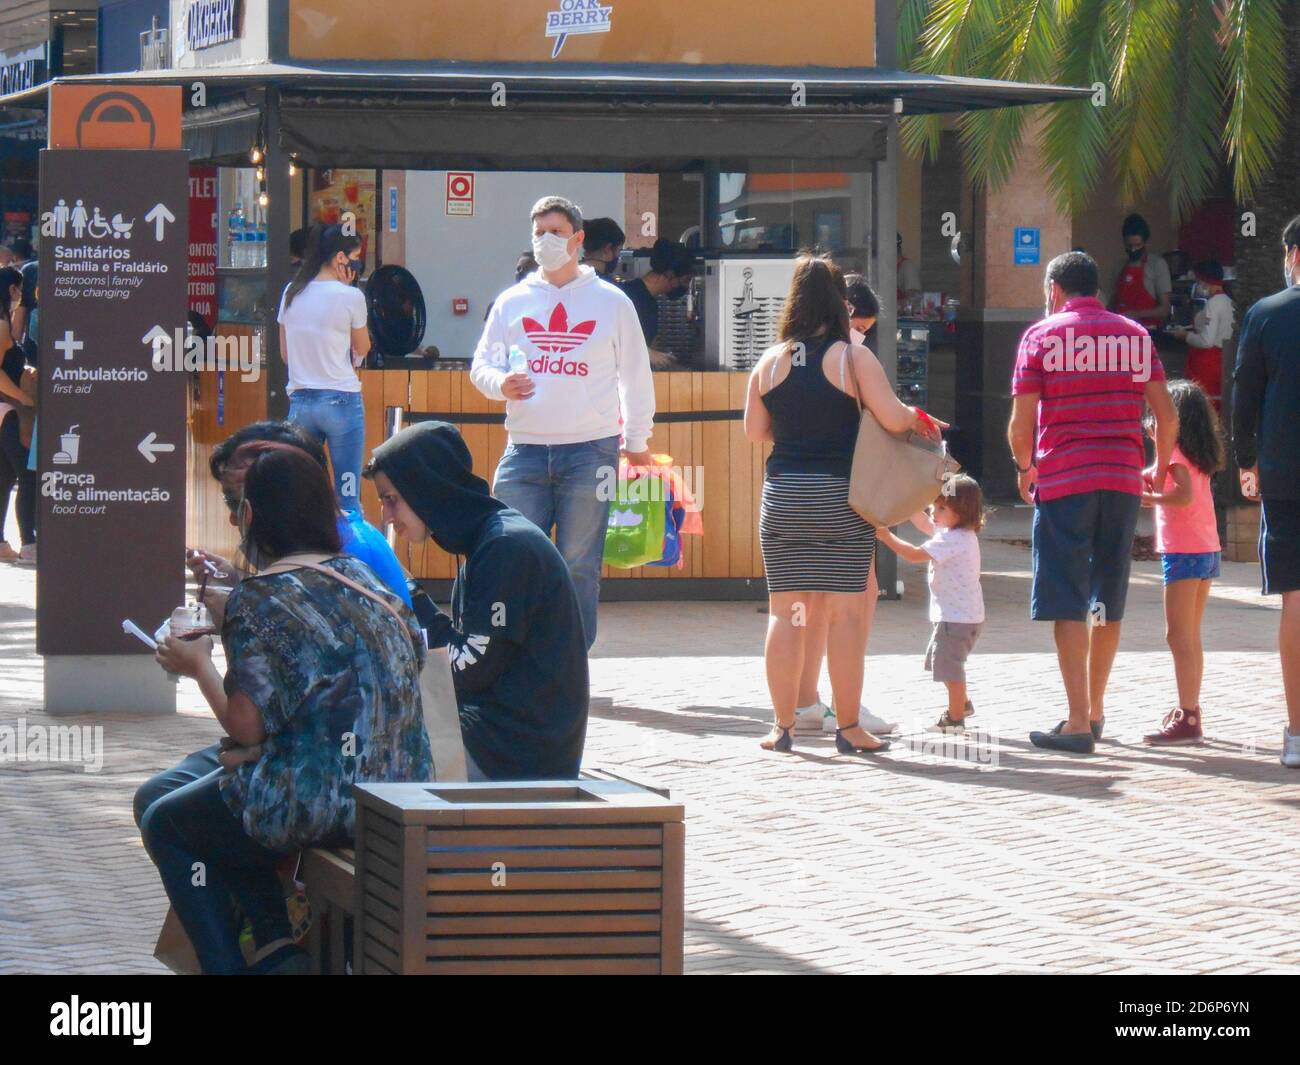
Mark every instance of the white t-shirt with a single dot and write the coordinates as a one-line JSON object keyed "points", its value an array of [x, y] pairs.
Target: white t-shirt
{"points": [[1213, 325], [318, 330], [955, 593]]}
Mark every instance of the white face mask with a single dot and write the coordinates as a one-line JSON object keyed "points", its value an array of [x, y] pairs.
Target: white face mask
{"points": [[551, 251]]}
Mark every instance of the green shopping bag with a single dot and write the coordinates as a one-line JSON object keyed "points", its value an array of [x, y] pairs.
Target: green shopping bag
{"points": [[634, 534]]}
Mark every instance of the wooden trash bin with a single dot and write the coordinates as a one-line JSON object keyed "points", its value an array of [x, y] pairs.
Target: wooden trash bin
{"points": [[557, 877]]}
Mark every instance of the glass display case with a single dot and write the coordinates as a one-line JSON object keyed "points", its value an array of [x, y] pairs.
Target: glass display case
{"points": [[913, 382], [241, 296]]}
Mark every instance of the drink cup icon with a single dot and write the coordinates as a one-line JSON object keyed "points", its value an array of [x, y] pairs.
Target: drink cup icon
{"points": [[70, 442]]}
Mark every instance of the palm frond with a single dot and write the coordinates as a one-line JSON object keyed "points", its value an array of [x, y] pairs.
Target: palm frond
{"points": [[1197, 116], [911, 25], [955, 33], [1254, 56], [948, 41], [1144, 92], [1076, 138]]}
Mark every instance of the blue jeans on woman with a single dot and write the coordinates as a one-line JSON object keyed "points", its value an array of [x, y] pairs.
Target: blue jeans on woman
{"points": [[339, 420], [205, 857], [561, 486]]}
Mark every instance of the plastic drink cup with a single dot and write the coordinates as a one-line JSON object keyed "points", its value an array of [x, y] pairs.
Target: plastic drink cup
{"points": [[187, 621], [518, 360]]}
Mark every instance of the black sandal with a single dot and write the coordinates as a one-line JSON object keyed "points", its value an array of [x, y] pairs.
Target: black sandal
{"points": [[784, 743], [848, 747]]}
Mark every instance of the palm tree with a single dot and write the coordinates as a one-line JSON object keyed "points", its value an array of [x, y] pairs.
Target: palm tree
{"points": [[1184, 88]]}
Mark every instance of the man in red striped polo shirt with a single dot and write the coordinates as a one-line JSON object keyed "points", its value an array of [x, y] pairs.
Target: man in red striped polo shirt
{"points": [[1082, 375]]}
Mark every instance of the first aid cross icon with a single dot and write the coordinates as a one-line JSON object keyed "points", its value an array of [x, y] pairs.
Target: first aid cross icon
{"points": [[69, 345]]}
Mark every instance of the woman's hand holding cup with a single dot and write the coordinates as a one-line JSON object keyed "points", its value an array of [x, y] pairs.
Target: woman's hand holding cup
{"points": [[184, 657]]}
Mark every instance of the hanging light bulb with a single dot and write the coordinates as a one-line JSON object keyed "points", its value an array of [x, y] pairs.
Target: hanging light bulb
{"points": [[293, 168], [263, 200], [255, 156], [261, 174]]}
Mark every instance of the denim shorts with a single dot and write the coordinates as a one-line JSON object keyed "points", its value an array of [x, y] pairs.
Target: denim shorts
{"points": [[1190, 566], [1083, 546]]}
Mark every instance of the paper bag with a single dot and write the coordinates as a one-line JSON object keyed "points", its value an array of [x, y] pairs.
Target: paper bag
{"points": [[174, 948], [442, 717]]}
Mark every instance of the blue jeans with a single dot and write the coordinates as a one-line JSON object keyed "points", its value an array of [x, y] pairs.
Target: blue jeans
{"points": [[193, 826], [339, 420], [559, 486]]}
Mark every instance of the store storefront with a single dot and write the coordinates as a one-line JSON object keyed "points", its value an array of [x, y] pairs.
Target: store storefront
{"points": [[436, 128], [38, 41]]}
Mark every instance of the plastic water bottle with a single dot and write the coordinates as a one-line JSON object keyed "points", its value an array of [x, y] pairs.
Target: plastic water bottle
{"points": [[261, 249], [235, 234], [518, 360]]}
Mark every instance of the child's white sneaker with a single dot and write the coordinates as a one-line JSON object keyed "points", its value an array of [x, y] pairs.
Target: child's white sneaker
{"points": [[821, 718], [1290, 750], [810, 718]]}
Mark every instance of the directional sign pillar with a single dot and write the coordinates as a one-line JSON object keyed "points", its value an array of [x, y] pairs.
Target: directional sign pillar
{"points": [[110, 439]]}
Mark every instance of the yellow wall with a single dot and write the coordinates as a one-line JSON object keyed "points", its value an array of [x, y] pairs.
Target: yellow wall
{"points": [[814, 32]]}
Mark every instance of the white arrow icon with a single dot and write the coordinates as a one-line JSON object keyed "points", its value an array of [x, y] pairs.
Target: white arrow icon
{"points": [[159, 216], [151, 450]]}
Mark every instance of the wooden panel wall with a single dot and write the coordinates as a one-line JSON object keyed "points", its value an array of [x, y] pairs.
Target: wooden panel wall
{"points": [[726, 470], [207, 523]]}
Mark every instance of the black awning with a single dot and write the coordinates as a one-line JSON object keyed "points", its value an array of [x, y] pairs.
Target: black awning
{"points": [[918, 93], [416, 134], [571, 116], [222, 134]]}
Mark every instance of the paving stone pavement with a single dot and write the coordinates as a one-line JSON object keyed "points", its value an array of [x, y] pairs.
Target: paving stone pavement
{"points": [[992, 857]]}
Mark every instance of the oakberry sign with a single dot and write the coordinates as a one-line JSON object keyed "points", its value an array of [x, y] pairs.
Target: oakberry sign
{"points": [[210, 22], [577, 16]]}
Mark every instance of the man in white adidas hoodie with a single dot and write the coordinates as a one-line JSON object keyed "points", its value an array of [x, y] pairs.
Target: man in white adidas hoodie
{"points": [[587, 382]]}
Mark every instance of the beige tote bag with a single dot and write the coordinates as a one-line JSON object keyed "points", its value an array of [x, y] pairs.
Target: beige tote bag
{"points": [[894, 474]]}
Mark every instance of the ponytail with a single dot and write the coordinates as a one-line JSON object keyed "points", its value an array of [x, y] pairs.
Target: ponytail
{"points": [[323, 243]]}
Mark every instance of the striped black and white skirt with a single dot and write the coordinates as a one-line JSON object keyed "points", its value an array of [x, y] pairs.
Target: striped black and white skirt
{"points": [[812, 540]]}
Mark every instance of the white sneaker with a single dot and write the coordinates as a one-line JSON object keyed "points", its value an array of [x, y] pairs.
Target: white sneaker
{"points": [[810, 718], [877, 726], [1290, 750], [821, 718], [28, 554]]}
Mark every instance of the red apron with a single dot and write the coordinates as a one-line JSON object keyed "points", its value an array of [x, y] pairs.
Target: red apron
{"points": [[1205, 367], [1132, 296]]}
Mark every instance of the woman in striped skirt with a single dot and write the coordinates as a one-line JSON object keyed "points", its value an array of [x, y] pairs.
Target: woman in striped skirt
{"points": [[803, 398]]}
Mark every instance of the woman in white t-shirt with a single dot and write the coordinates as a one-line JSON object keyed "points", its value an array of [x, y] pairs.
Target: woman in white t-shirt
{"points": [[956, 599], [323, 339]]}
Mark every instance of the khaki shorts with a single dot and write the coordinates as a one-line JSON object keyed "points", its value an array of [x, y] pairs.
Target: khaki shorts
{"points": [[950, 646]]}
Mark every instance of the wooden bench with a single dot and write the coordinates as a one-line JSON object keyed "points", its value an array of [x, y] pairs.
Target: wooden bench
{"points": [[330, 879]]}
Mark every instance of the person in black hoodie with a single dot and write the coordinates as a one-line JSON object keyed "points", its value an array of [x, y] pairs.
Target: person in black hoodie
{"points": [[515, 635]]}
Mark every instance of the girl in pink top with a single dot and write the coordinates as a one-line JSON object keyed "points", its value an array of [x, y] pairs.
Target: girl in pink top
{"points": [[1187, 537]]}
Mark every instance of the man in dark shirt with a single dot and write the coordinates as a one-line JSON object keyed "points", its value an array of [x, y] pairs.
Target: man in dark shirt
{"points": [[1266, 436], [515, 635], [670, 275]]}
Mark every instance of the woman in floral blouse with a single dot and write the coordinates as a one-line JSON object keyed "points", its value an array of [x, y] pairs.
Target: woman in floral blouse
{"points": [[321, 691]]}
